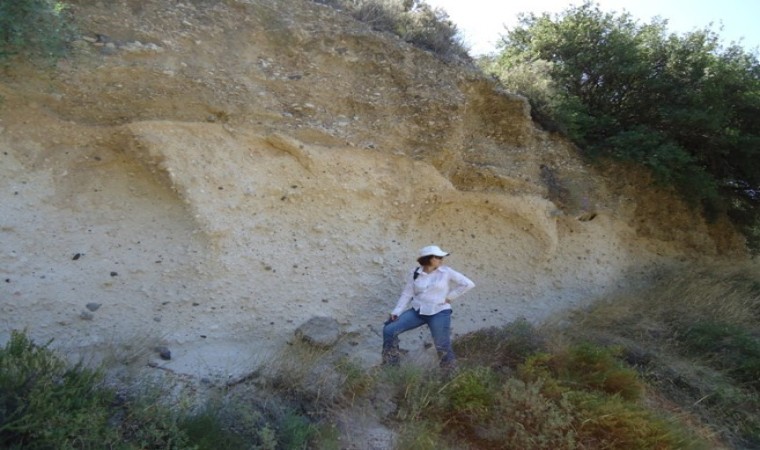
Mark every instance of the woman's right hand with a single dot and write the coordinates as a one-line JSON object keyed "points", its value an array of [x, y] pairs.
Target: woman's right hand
{"points": [[393, 317]]}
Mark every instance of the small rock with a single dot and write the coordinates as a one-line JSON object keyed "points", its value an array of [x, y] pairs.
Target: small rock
{"points": [[164, 353], [93, 306]]}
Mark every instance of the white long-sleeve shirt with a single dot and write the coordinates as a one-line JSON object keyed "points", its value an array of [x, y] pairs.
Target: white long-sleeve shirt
{"points": [[428, 293]]}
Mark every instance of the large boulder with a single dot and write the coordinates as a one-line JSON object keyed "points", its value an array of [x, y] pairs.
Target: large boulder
{"points": [[319, 331]]}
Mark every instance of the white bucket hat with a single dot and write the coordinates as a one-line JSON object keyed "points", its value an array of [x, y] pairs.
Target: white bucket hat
{"points": [[433, 250]]}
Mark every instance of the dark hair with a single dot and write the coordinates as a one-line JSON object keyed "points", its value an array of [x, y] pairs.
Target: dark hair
{"points": [[425, 260]]}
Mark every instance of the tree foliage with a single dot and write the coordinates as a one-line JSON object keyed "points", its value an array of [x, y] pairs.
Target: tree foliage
{"points": [[414, 21], [682, 105], [38, 28]]}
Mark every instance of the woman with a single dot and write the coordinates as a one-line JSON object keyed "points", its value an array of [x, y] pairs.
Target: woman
{"points": [[429, 290]]}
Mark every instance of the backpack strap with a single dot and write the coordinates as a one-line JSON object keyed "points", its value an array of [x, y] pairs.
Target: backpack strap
{"points": [[416, 273]]}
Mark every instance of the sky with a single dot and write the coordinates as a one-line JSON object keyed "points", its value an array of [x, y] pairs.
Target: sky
{"points": [[482, 21]]}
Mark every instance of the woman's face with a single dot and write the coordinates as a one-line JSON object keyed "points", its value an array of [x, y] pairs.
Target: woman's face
{"points": [[436, 262]]}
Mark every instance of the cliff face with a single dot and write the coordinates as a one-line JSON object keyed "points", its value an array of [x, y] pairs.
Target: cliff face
{"points": [[207, 176]]}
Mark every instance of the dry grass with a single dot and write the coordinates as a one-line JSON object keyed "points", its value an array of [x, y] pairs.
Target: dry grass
{"points": [[316, 375], [695, 338]]}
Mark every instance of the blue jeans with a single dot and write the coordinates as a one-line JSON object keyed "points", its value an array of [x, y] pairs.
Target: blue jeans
{"points": [[439, 325]]}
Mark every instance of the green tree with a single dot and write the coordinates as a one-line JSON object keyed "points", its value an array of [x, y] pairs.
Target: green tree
{"points": [[34, 27], [414, 21], [683, 106]]}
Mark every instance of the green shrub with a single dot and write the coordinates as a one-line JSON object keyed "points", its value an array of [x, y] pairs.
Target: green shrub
{"points": [[726, 347], [610, 422], [207, 432], [38, 28], [584, 366], [239, 413], [44, 403], [531, 79], [418, 392], [600, 369], [734, 410], [538, 369], [530, 420], [430, 29], [579, 398], [144, 421], [422, 435], [414, 21], [504, 347], [600, 395], [295, 431], [326, 436], [527, 419], [380, 15], [356, 381], [470, 394]]}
